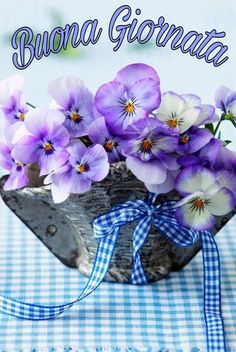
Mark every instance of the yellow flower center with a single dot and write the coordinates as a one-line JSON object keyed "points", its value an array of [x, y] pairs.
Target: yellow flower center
{"points": [[81, 168], [109, 145], [198, 204], [172, 123], [75, 116], [146, 144], [184, 139], [48, 148], [130, 107], [21, 116], [19, 166]]}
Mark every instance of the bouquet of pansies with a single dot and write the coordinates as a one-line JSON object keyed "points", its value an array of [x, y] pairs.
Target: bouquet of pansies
{"points": [[168, 141]]}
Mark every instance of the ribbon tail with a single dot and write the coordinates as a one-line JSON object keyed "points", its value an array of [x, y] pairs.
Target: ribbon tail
{"points": [[30, 311], [102, 262], [140, 234], [212, 294]]}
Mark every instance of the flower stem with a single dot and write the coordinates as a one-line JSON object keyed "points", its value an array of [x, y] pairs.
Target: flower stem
{"points": [[31, 105], [224, 117], [217, 127], [233, 122]]}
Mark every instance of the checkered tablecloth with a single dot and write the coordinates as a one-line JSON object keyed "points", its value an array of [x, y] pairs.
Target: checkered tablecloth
{"points": [[164, 316]]}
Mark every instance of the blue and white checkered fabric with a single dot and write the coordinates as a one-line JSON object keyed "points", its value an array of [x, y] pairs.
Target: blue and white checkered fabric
{"points": [[212, 289], [162, 217], [210, 282], [30, 311]]}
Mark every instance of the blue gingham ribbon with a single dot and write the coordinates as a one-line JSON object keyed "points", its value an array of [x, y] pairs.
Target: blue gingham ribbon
{"points": [[106, 230]]}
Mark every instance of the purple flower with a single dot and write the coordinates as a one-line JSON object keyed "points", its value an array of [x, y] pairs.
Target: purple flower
{"points": [[76, 102], [84, 166], [133, 94], [206, 116], [130, 74], [225, 100], [193, 140], [207, 111], [210, 152], [191, 160], [18, 172], [180, 112], [226, 159], [166, 186], [206, 156], [12, 101], [147, 150], [226, 179], [99, 134], [203, 198], [147, 137], [214, 155], [45, 142], [176, 113]]}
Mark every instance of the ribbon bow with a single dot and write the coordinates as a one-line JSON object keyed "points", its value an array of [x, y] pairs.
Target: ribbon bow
{"points": [[161, 216], [106, 230]]}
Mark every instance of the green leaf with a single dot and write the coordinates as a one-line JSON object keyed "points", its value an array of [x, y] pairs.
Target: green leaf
{"points": [[210, 127], [226, 142], [86, 141]]}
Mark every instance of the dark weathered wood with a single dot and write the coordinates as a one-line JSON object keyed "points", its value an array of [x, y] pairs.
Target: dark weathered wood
{"points": [[66, 229]]}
